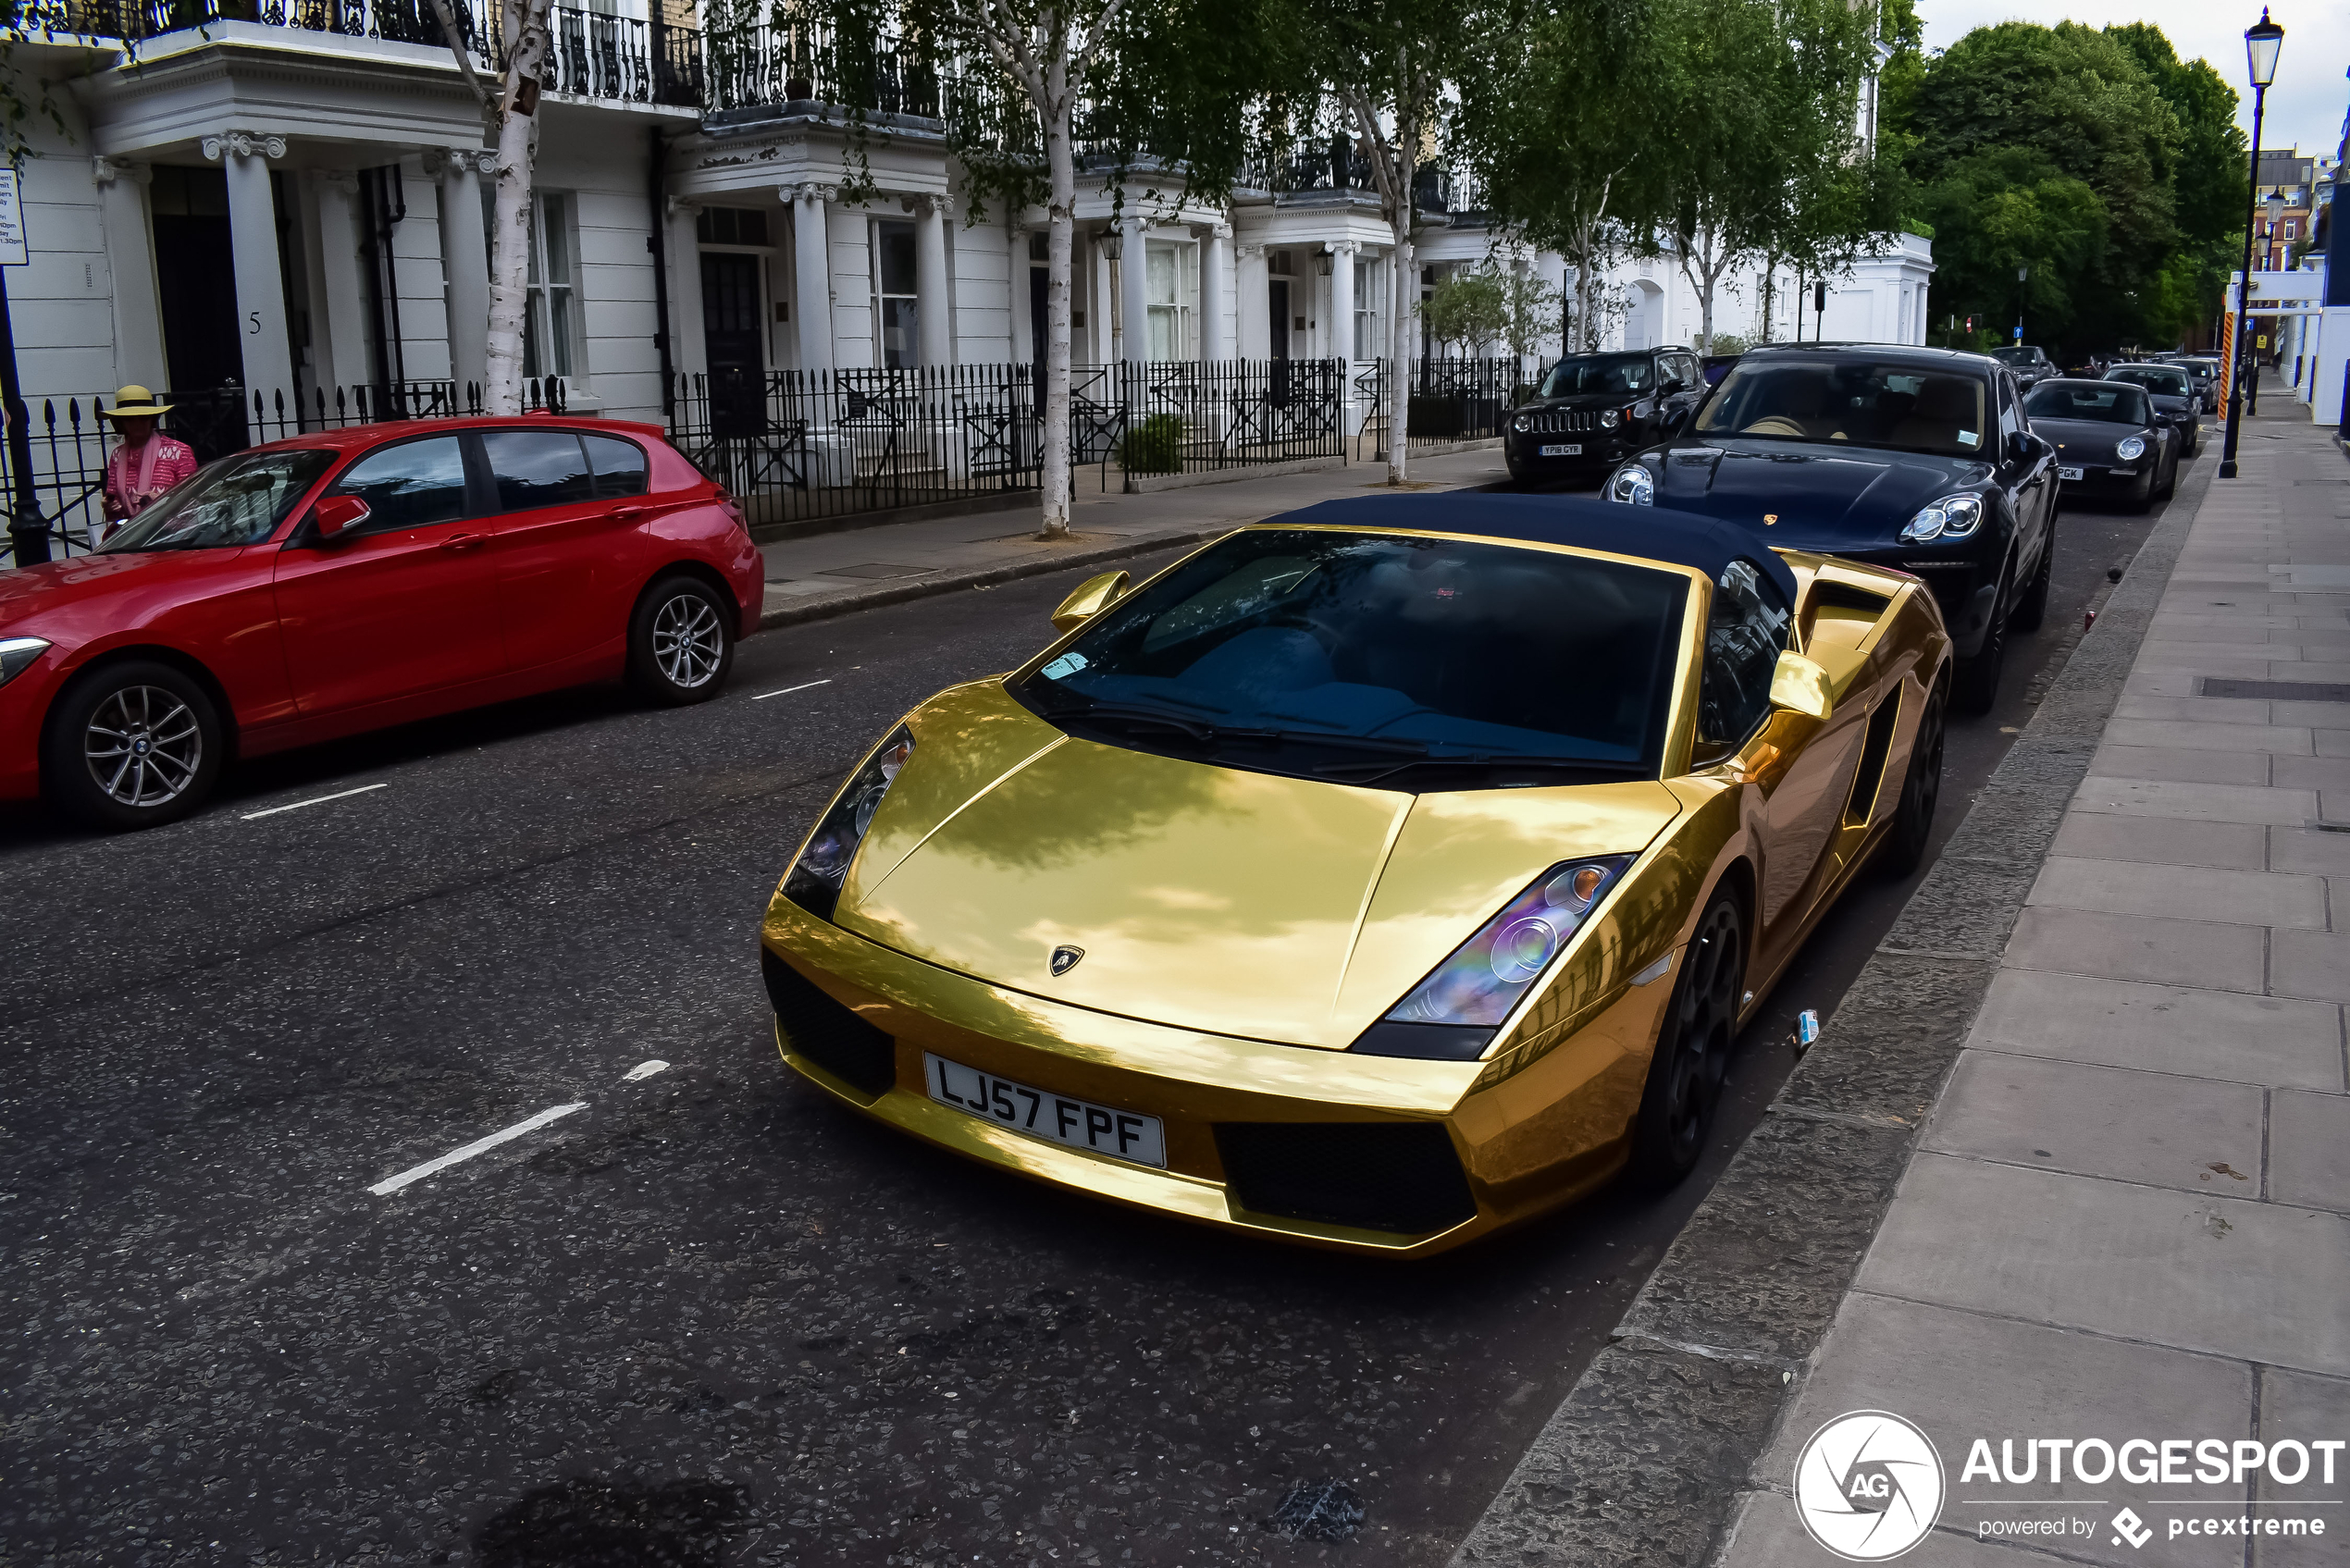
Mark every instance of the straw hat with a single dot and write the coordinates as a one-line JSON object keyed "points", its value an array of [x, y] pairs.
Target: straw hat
{"points": [[136, 403]]}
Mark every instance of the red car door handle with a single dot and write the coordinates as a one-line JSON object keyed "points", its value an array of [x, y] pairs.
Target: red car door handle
{"points": [[463, 541], [627, 514]]}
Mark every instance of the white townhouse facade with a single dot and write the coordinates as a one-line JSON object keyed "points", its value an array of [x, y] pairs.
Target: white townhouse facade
{"points": [[292, 202]]}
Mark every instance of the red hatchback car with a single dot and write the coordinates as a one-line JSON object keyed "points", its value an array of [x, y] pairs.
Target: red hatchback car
{"points": [[360, 578]]}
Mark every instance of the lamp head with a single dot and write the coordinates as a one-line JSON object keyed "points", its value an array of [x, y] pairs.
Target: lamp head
{"points": [[2262, 41]]}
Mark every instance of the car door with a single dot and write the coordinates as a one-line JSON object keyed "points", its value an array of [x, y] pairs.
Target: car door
{"points": [[402, 603], [2031, 483], [570, 546]]}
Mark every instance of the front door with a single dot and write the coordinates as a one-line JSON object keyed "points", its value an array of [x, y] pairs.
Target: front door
{"points": [[403, 605], [735, 339], [1276, 303], [1040, 282]]}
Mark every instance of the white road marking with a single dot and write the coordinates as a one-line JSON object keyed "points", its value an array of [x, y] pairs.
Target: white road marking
{"points": [[480, 1145], [321, 800], [788, 690], [644, 1069]]}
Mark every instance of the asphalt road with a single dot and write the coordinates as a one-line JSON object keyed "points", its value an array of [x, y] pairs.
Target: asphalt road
{"points": [[708, 1315]]}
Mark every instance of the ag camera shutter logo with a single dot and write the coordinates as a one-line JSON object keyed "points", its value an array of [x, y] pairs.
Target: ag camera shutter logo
{"points": [[1868, 1485]]}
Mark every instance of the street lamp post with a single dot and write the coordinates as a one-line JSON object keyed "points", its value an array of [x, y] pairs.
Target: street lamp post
{"points": [[2022, 276], [2262, 41]]}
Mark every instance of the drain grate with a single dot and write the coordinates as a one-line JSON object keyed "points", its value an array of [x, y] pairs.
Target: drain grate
{"points": [[2275, 691]]}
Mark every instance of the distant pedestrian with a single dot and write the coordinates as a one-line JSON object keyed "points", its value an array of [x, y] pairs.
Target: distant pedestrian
{"points": [[146, 462]]}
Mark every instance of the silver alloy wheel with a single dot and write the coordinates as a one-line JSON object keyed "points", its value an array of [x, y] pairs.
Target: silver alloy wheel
{"points": [[688, 642], [144, 745]]}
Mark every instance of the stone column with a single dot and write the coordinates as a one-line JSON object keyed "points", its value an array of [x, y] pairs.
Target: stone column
{"points": [[1215, 294], [933, 300], [138, 310], [1023, 328], [339, 339], [689, 343], [253, 242], [1133, 301], [1099, 334], [464, 257], [1253, 337], [811, 273], [1342, 333]]}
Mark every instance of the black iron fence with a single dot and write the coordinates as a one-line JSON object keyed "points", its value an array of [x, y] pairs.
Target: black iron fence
{"points": [[70, 438], [1451, 399], [1191, 417]]}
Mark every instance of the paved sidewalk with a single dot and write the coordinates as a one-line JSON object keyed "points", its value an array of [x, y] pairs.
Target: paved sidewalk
{"points": [[831, 574], [2129, 1212]]}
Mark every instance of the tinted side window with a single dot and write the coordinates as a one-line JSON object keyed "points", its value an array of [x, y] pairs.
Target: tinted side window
{"points": [[409, 485], [536, 468], [2010, 420], [620, 465], [1744, 635]]}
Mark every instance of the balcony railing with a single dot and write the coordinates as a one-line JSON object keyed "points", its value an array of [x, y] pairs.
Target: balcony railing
{"points": [[804, 62]]}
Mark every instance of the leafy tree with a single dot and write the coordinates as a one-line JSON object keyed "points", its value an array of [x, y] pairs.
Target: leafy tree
{"points": [[1467, 308]]}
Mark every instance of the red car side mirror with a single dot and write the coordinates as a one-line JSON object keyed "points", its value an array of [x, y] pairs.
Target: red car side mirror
{"points": [[336, 513]]}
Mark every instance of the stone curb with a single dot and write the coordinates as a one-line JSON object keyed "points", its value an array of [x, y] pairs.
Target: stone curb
{"points": [[1648, 1456], [981, 577]]}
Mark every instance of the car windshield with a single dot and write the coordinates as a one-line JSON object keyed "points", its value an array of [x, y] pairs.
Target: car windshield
{"points": [[2016, 357], [1600, 373], [2106, 402], [1373, 657], [2163, 381], [1856, 400], [238, 500]]}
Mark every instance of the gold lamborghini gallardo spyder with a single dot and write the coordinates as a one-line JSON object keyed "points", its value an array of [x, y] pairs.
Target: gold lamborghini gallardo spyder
{"points": [[1375, 876]]}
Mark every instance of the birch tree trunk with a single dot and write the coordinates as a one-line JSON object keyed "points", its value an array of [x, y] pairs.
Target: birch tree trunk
{"points": [[1060, 234], [1399, 387], [510, 222]]}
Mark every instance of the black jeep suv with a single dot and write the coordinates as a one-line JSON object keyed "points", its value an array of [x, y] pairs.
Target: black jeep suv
{"points": [[1592, 410]]}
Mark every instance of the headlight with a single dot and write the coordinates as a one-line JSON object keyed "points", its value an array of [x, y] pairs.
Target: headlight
{"points": [[1486, 975], [816, 877], [2128, 449], [16, 655], [1610, 418], [1952, 517], [1633, 484], [1522, 424]]}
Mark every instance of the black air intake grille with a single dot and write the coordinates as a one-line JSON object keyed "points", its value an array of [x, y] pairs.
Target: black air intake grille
{"points": [[1395, 1176], [1561, 421], [827, 1033]]}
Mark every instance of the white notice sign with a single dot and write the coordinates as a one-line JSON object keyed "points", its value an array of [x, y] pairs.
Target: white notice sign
{"points": [[12, 248]]}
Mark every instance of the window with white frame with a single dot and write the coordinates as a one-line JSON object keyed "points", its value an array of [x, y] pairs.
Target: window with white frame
{"points": [[551, 327], [1370, 306], [1170, 289], [896, 345]]}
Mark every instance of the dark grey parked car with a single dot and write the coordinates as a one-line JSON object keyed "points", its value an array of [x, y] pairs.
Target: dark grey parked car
{"points": [[2176, 401], [2111, 445], [2029, 361]]}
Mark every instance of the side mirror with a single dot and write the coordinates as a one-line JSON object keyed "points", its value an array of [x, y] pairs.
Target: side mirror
{"points": [[338, 514], [2020, 446], [1674, 419], [1800, 686], [1093, 596]]}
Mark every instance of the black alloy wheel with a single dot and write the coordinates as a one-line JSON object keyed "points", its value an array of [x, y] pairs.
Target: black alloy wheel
{"points": [[2033, 607], [1692, 1049], [1976, 684], [681, 642], [1921, 791], [131, 745]]}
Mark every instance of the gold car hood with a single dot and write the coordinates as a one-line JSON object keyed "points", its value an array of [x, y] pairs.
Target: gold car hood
{"points": [[1205, 898]]}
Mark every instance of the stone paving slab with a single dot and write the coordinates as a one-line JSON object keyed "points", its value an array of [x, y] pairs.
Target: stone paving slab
{"points": [[2310, 963], [2195, 952], [2124, 888], [2137, 1262], [2211, 803], [2310, 1154], [2241, 845], [2237, 1037], [2183, 766], [2160, 1129]]}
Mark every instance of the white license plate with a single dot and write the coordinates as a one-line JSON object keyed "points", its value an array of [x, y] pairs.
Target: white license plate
{"points": [[2068, 474], [1056, 1119], [1573, 449]]}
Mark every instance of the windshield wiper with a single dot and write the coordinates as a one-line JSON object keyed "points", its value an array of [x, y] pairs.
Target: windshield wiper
{"points": [[1136, 713], [1483, 759]]}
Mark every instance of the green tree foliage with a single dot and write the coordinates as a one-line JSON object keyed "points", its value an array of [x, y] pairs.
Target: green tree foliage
{"points": [[2095, 159]]}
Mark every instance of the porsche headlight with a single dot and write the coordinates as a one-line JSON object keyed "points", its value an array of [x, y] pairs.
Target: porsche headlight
{"points": [[1633, 484], [1610, 418], [1486, 975], [16, 655], [1952, 517], [2128, 449], [816, 877]]}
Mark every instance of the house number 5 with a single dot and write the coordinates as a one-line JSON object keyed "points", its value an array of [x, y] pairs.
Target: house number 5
{"points": [[253, 329]]}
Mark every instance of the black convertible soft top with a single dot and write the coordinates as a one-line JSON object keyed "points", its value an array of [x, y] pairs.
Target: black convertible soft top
{"points": [[1655, 532]]}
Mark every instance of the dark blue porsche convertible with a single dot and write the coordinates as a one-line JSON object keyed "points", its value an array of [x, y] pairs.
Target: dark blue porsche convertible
{"points": [[1917, 458]]}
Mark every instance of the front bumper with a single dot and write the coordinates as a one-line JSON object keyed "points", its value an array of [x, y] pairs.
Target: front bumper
{"points": [[1524, 1134], [2104, 482]]}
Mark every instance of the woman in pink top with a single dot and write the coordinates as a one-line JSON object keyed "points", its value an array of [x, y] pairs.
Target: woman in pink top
{"points": [[146, 464]]}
